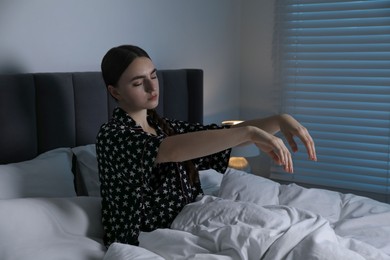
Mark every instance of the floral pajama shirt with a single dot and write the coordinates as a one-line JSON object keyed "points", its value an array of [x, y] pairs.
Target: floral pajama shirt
{"points": [[136, 194]]}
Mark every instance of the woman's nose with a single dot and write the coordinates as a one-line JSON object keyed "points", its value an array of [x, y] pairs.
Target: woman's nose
{"points": [[150, 86]]}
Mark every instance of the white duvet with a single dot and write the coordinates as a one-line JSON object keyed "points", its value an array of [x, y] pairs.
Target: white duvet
{"points": [[51, 229], [255, 218], [215, 228], [249, 218]]}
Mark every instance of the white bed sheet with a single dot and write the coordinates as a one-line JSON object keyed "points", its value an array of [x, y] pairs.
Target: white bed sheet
{"points": [[255, 218], [51, 229], [252, 218], [224, 229]]}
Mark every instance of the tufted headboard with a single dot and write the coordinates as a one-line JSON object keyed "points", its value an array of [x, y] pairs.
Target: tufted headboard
{"points": [[43, 111]]}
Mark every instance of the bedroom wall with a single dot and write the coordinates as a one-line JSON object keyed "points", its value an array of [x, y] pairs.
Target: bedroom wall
{"points": [[231, 40], [73, 35]]}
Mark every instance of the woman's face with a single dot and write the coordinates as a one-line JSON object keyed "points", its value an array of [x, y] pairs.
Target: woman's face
{"points": [[138, 87]]}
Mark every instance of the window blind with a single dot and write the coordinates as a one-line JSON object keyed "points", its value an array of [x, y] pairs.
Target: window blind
{"points": [[333, 70]]}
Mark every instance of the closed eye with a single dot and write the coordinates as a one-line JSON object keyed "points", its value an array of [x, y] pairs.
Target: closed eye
{"points": [[138, 80], [153, 75]]}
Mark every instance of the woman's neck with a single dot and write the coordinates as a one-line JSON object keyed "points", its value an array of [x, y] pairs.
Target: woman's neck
{"points": [[140, 118]]}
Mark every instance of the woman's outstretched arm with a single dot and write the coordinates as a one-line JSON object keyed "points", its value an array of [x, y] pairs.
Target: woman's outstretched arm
{"points": [[192, 145]]}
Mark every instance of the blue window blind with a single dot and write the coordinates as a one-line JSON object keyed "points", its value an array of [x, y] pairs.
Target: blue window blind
{"points": [[333, 70]]}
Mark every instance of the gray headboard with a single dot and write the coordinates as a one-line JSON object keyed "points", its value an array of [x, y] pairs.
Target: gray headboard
{"points": [[43, 111]]}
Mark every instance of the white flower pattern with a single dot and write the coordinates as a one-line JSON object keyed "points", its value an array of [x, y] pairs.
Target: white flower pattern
{"points": [[136, 194]]}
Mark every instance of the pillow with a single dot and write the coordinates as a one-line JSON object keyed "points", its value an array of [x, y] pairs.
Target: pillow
{"points": [[210, 181], [47, 175], [296, 196], [243, 186], [87, 170]]}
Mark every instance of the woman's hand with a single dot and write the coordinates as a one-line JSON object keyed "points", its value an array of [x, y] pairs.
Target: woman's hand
{"points": [[290, 128], [274, 147], [263, 136]]}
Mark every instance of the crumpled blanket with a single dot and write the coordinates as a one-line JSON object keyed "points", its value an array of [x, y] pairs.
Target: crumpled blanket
{"points": [[215, 228], [256, 218]]}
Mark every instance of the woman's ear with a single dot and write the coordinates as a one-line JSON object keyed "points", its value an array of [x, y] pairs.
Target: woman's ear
{"points": [[114, 92]]}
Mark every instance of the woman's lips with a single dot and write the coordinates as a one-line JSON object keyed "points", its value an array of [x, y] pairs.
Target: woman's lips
{"points": [[152, 98]]}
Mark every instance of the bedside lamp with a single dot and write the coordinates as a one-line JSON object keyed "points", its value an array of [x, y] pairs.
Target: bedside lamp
{"points": [[238, 155]]}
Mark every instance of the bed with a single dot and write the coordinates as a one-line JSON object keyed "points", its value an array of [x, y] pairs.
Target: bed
{"points": [[50, 198]]}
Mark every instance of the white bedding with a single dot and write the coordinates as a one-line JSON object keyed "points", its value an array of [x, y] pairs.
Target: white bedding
{"points": [[51, 229], [222, 229], [252, 218], [255, 218]]}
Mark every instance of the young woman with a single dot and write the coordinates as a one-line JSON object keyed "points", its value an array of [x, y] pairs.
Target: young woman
{"points": [[149, 166]]}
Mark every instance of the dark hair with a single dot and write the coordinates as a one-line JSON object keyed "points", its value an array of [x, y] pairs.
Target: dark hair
{"points": [[168, 130], [114, 63]]}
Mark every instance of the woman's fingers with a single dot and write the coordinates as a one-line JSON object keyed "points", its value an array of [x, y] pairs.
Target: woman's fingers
{"points": [[307, 140], [281, 155], [310, 147], [303, 134], [275, 148]]}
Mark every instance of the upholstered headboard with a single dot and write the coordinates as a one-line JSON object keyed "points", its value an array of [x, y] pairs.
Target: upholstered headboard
{"points": [[43, 111]]}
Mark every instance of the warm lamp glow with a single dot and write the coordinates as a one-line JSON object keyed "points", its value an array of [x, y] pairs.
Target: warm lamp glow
{"points": [[239, 163]]}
